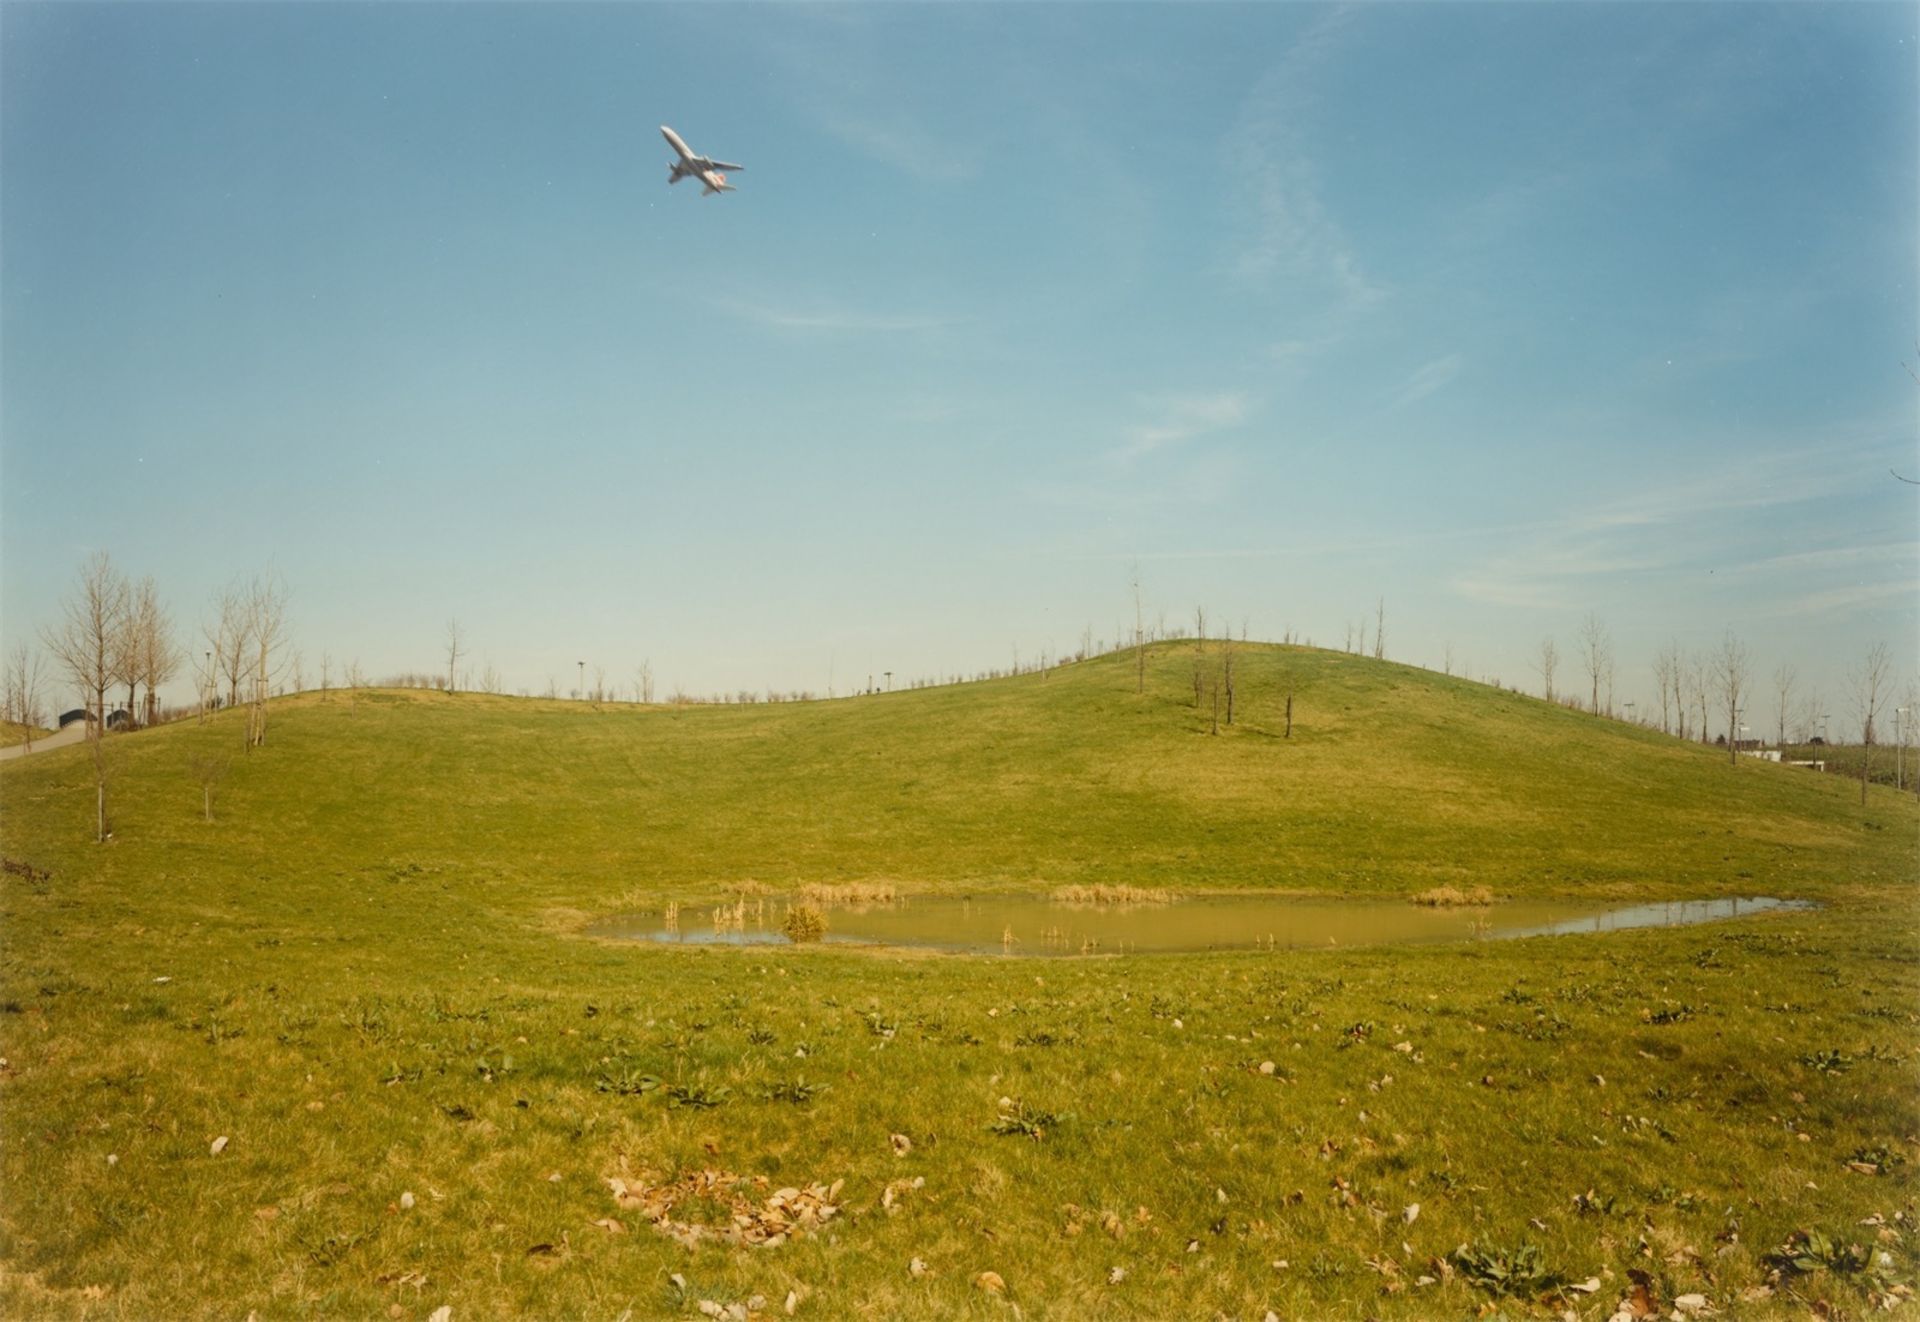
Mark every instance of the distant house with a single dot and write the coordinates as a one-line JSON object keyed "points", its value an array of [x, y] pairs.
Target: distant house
{"points": [[119, 720]]}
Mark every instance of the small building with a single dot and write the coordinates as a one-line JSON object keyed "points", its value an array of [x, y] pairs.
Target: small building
{"points": [[69, 717]]}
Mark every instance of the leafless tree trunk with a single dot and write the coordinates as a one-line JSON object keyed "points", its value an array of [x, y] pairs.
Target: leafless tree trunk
{"points": [[1139, 638], [1446, 659], [1216, 702], [456, 648], [1289, 733], [1380, 630], [646, 682], [1548, 662], [1869, 692], [1596, 653], [326, 674], [1730, 669], [1698, 690], [102, 775], [1226, 670], [86, 641]]}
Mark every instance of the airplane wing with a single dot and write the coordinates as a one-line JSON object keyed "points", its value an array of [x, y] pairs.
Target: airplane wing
{"points": [[722, 165]]}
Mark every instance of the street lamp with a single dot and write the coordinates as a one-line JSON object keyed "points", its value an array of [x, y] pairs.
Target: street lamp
{"points": [[889, 675], [583, 681]]}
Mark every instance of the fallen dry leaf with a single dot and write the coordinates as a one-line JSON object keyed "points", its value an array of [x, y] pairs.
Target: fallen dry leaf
{"points": [[990, 1282], [916, 1268], [902, 1145], [611, 1225], [219, 1145]]}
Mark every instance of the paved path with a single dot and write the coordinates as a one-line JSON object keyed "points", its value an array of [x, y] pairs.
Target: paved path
{"points": [[73, 734]]}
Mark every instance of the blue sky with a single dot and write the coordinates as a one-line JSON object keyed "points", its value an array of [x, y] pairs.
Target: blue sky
{"points": [[1504, 314]]}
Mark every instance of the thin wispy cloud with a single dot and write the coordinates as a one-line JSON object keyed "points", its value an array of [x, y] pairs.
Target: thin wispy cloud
{"points": [[830, 319], [1703, 523], [1288, 232], [1426, 380], [1181, 419], [900, 143]]}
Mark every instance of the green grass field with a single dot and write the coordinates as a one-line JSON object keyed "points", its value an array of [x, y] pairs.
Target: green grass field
{"points": [[367, 976]]}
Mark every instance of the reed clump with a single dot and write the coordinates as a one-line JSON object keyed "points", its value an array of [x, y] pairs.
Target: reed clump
{"points": [[849, 892], [804, 923], [1103, 893], [1452, 897]]}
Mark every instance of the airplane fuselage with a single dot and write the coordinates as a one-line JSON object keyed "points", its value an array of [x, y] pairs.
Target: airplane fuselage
{"points": [[692, 165]]}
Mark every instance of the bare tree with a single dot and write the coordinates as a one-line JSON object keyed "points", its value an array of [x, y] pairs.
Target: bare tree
{"points": [[207, 769], [266, 623], [86, 642], [23, 690], [1869, 692], [1380, 630], [1730, 672], [326, 674], [1548, 661], [1226, 675], [1596, 654], [1783, 681], [1666, 673], [227, 638], [456, 648], [1699, 690], [1446, 659], [160, 657]]}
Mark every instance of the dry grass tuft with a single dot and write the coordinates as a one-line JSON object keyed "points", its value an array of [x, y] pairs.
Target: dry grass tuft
{"points": [[849, 892], [1450, 897], [1105, 894]]}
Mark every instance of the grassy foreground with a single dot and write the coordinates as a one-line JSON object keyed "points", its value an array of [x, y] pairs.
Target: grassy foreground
{"points": [[364, 985]]}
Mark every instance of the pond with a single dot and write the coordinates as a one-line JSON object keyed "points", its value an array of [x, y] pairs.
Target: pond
{"points": [[1040, 925]]}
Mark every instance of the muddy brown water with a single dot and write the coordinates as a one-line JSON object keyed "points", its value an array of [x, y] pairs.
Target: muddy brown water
{"points": [[1037, 925]]}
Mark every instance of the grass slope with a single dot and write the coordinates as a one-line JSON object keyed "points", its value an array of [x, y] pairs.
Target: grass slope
{"points": [[373, 986]]}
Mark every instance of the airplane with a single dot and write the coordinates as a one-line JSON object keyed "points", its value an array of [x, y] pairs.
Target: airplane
{"points": [[704, 168]]}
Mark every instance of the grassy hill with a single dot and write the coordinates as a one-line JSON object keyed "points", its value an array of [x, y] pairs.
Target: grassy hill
{"points": [[365, 973]]}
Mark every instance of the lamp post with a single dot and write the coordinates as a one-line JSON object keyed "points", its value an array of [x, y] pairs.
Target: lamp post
{"points": [[1629, 705], [583, 681], [889, 675]]}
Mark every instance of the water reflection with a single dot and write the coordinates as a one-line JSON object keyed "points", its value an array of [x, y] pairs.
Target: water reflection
{"points": [[1037, 925]]}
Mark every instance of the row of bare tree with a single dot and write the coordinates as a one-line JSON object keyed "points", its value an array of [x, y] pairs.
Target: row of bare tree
{"points": [[112, 631]]}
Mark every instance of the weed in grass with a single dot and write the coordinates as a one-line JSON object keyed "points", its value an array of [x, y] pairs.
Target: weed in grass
{"points": [[1017, 1118], [1828, 1061], [1520, 1271], [625, 1080], [797, 1091], [698, 1096]]}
